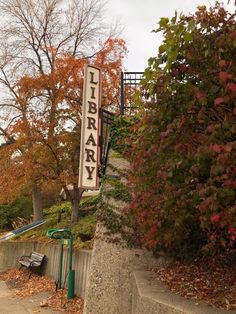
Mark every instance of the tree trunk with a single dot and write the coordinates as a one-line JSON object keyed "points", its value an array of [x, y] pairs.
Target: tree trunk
{"points": [[77, 194], [37, 202]]}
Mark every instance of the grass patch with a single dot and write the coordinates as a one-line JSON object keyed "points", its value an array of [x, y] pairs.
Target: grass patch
{"points": [[58, 216]]}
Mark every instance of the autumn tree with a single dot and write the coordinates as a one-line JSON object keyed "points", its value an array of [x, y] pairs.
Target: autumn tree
{"points": [[43, 51]]}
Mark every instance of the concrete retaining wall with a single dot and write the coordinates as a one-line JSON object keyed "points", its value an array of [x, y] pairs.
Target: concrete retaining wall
{"points": [[152, 297], [11, 251], [110, 280]]}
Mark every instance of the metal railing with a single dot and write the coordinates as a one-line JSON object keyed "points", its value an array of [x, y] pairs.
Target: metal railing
{"points": [[107, 119], [129, 85]]}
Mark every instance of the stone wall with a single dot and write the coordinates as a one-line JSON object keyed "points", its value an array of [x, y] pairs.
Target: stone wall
{"points": [[110, 280], [152, 297], [10, 252]]}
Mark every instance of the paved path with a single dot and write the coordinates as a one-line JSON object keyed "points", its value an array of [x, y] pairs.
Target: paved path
{"points": [[11, 304]]}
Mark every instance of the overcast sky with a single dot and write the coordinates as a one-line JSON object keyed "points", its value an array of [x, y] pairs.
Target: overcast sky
{"points": [[140, 17]]}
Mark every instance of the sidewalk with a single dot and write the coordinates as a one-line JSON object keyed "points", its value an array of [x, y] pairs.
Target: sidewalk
{"points": [[12, 304]]}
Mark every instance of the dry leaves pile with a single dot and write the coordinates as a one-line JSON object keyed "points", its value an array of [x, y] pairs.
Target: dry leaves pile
{"points": [[23, 287], [59, 301], [212, 280]]}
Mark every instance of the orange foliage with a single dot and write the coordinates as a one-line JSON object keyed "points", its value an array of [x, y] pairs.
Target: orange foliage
{"points": [[110, 61], [47, 132]]}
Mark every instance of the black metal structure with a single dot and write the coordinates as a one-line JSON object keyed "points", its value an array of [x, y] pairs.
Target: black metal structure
{"points": [[106, 118], [129, 84]]}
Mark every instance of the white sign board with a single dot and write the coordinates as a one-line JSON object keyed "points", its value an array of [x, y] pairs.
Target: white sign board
{"points": [[89, 146]]}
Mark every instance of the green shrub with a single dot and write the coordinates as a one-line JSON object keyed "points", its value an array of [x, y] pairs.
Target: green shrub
{"points": [[64, 207], [20, 208], [85, 228]]}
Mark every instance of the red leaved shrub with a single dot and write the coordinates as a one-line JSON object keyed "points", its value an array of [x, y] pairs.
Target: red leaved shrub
{"points": [[183, 176]]}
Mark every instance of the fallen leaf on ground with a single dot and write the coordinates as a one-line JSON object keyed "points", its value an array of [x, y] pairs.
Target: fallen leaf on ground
{"points": [[19, 278], [210, 279]]}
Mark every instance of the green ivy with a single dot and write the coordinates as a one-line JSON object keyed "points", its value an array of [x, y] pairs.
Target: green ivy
{"points": [[120, 134], [118, 190]]}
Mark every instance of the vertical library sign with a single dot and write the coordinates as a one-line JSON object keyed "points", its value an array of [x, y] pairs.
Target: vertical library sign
{"points": [[89, 146]]}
